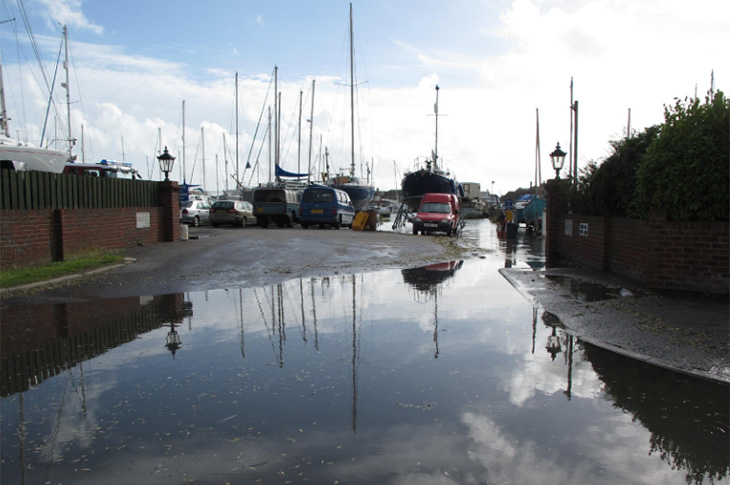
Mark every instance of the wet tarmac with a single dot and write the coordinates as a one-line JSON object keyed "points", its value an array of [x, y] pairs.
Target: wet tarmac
{"points": [[440, 372]]}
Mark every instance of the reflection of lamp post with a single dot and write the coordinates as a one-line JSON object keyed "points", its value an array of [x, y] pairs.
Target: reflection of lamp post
{"points": [[166, 162], [553, 344], [173, 340], [558, 159]]}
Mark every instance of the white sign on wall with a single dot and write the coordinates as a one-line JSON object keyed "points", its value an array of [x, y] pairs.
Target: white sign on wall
{"points": [[143, 220], [569, 227]]}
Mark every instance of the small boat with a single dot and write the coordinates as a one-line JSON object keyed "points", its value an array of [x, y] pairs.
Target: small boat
{"points": [[16, 156], [430, 179], [532, 213]]}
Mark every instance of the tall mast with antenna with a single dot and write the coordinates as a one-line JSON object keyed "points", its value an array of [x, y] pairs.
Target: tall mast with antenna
{"points": [[436, 144], [237, 176], [71, 141], [311, 124], [352, 101]]}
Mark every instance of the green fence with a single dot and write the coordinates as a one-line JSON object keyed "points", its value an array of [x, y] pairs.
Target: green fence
{"points": [[45, 190]]}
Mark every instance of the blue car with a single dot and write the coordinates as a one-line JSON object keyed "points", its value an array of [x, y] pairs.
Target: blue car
{"points": [[326, 206]]}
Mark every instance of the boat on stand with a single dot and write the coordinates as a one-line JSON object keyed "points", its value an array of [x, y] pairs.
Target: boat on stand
{"points": [[429, 179]]}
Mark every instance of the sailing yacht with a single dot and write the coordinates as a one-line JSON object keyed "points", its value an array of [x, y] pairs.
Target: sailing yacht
{"points": [[16, 155], [360, 193]]}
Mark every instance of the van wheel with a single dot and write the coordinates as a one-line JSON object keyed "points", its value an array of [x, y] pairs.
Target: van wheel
{"points": [[243, 222], [415, 231], [337, 224], [305, 225], [449, 233]]}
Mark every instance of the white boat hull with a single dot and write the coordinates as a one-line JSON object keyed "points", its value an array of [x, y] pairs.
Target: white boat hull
{"points": [[32, 158]]}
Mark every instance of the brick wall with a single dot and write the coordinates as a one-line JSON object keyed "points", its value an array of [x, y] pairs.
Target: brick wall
{"points": [[32, 237], [26, 236], [691, 256]]}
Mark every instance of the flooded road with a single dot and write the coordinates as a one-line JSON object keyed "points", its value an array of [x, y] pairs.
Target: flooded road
{"points": [[438, 374]]}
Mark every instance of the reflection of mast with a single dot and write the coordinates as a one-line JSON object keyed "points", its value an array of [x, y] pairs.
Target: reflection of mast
{"points": [[304, 323], [354, 358], [280, 320], [240, 303], [21, 436], [570, 367], [263, 318], [314, 317], [436, 322]]}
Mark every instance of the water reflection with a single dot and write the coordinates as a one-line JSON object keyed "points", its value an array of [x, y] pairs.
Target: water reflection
{"points": [[327, 379], [427, 281]]}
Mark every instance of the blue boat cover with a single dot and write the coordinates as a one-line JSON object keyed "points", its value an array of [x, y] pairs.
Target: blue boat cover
{"points": [[280, 172]]}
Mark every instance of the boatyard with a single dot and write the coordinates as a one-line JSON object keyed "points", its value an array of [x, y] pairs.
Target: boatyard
{"points": [[366, 277]]}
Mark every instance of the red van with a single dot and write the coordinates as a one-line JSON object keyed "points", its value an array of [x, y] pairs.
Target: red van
{"points": [[437, 213]]}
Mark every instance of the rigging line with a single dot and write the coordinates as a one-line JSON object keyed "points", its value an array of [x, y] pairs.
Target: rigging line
{"points": [[261, 114], [50, 95], [263, 318], [258, 155]]}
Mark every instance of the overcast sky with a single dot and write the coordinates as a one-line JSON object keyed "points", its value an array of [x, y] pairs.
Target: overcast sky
{"points": [[133, 63]]}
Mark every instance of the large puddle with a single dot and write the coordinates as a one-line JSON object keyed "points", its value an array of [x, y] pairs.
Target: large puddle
{"points": [[441, 374]]}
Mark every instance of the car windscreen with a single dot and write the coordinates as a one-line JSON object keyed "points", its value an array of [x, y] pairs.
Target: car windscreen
{"points": [[318, 196], [435, 208], [186, 204], [222, 205]]}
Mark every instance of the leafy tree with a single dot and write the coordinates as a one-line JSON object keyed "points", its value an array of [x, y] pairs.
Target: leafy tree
{"points": [[686, 170], [608, 189]]}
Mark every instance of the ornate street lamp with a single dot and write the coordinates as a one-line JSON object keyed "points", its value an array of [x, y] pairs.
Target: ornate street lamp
{"points": [[173, 342], [166, 162], [553, 344], [558, 159]]}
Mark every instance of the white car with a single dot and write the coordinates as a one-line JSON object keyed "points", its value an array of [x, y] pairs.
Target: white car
{"points": [[194, 212]]}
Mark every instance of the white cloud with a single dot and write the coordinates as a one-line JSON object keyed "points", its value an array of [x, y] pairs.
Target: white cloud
{"points": [[69, 12]]}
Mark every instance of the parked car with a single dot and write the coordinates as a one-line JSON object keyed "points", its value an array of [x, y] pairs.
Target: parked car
{"points": [[326, 206], [233, 212], [194, 212], [437, 213], [277, 205]]}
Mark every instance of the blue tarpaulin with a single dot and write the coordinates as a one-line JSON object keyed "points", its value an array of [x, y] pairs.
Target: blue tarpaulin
{"points": [[280, 172]]}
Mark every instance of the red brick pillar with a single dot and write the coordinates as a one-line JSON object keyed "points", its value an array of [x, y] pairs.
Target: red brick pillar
{"points": [[557, 195], [170, 220]]}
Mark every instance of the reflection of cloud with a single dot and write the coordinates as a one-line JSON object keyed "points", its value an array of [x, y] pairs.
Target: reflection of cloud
{"points": [[508, 460]]}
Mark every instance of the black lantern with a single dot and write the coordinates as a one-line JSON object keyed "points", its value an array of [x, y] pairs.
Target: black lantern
{"points": [[166, 162], [173, 342], [558, 159]]}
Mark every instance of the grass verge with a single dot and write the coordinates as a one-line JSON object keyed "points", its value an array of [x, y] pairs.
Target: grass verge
{"points": [[34, 274]]}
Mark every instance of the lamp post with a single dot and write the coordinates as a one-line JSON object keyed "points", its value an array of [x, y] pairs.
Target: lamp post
{"points": [[166, 162], [557, 158]]}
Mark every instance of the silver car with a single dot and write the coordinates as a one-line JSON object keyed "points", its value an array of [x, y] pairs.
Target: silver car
{"points": [[234, 212], [194, 212]]}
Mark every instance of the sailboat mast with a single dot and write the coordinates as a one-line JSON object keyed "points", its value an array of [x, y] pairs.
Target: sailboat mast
{"points": [[311, 124], [68, 93], [202, 146], [352, 101], [225, 162], [4, 112], [183, 141], [299, 136], [538, 173], [237, 126], [436, 143]]}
